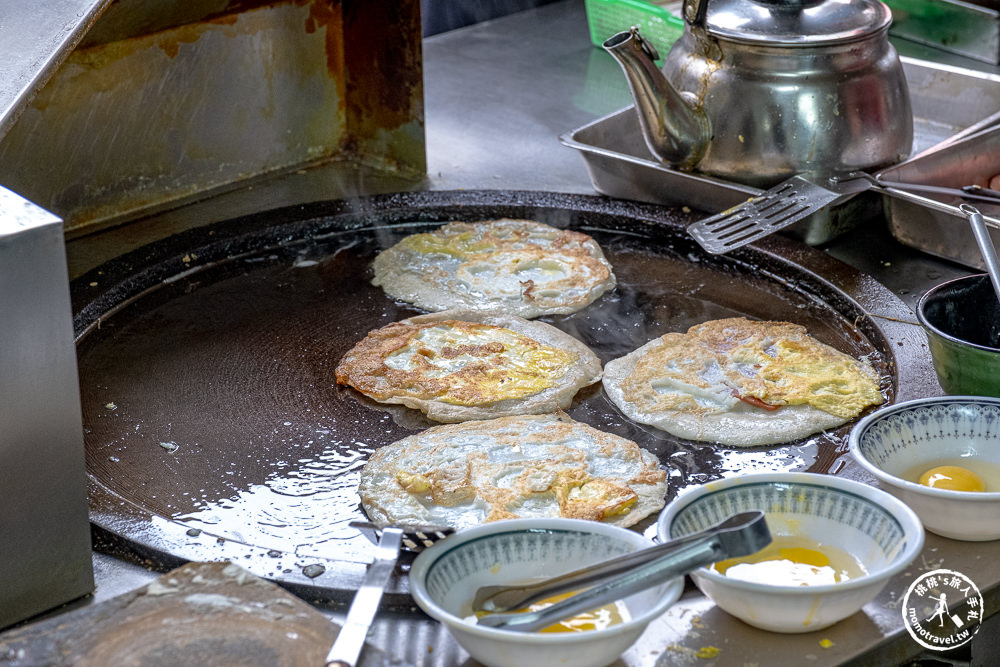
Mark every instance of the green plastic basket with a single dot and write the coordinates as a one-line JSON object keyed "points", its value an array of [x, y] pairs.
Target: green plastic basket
{"points": [[656, 24]]}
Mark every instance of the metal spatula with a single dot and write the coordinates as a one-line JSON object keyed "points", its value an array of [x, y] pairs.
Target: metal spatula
{"points": [[347, 647], [784, 204], [801, 196]]}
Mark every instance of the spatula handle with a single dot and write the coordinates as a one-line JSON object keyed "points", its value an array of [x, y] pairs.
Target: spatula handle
{"points": [[985, 243], [351, 639]]}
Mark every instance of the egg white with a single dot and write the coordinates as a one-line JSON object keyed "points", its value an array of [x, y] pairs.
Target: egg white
{"points": [[521, 267], [500, 468]]}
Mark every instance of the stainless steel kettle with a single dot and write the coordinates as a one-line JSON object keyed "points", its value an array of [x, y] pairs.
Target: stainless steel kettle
{"points": [[756, 91]]}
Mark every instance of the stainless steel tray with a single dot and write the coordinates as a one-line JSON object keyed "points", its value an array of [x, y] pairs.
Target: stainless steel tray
{"points": [[974, 159], [621, 166]]}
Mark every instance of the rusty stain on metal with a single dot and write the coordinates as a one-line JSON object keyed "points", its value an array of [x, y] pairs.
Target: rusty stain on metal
{"points": [[327, 16], [385, 76], [171, 42], [155, 107]]}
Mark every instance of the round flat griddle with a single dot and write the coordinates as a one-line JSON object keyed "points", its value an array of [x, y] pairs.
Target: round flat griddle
{"points": [[214, 427]]}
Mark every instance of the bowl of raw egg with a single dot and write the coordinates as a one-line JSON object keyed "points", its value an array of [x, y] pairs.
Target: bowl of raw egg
{"points": [[835, 545], [941, 456], [444, 580]]}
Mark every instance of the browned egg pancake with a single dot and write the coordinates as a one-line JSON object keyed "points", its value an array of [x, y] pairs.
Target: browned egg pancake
{"points": [[461, 364], [523, 466], [741, 382], [520, 267]]}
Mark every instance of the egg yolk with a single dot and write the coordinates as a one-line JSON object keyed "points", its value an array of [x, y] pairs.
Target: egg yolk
{"points": [[792, 561], [953, 478], [467, 363], [610, 614]]}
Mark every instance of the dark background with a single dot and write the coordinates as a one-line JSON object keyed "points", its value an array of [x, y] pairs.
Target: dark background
{"points": [[443, 15]]}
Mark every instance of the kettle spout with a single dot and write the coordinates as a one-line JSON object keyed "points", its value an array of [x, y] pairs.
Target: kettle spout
{"points": [[675, 130]]}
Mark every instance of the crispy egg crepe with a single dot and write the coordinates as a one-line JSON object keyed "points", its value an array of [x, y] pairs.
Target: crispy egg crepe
{"points": [[462, 475], [518, 266], [741, 382], [462, 364]]}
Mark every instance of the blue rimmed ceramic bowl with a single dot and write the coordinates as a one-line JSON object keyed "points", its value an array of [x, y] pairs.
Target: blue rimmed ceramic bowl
{"points": [[894, 442], [444, 580], [878, 530]]}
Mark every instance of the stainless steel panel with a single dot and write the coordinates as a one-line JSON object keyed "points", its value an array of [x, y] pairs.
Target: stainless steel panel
{"points": [[36, 38], [167, 102], [45, 552]]}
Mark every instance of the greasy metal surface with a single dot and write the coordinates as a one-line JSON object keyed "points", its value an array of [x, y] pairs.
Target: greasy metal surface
{"points": [[125, 19], [209, 614], [213, 424], [494, 111], [193, 98]]}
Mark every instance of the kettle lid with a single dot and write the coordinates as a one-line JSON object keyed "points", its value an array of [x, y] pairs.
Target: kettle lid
{"points": [[796, 22]]}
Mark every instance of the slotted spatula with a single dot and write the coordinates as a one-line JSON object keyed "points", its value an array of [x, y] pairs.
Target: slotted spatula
{"points": [[784, 204], [801, 196]]}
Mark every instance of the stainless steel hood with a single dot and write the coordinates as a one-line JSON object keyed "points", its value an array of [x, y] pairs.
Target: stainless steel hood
{"points": [[121, 108]]}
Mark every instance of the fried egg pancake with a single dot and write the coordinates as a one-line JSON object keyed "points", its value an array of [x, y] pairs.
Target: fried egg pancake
{"points": [[521, 267], [523, 466], [464, 364], [741, 382]]}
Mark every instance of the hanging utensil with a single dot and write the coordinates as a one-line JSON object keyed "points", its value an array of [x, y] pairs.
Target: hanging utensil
{"points": [[800, 197], [391, 539], [985, 245], [740, 535]]}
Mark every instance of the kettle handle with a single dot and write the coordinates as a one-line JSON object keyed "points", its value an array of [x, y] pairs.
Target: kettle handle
{"points": [[694, 12]]}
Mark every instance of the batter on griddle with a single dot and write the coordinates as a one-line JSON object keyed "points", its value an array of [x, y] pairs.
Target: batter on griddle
{"points": [[462, 475], [741, 382], [520, 267], [461, 364]]}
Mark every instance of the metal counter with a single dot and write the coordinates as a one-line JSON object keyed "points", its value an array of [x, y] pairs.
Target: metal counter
{"points": [[498, 95]]}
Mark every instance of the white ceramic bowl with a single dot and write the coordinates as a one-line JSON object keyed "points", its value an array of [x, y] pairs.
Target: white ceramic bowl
{"points": [[445, 578], [894, 440], [879, 530]]}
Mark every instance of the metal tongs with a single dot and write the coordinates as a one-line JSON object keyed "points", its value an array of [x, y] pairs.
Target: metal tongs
{"points": [[740, 535]]}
